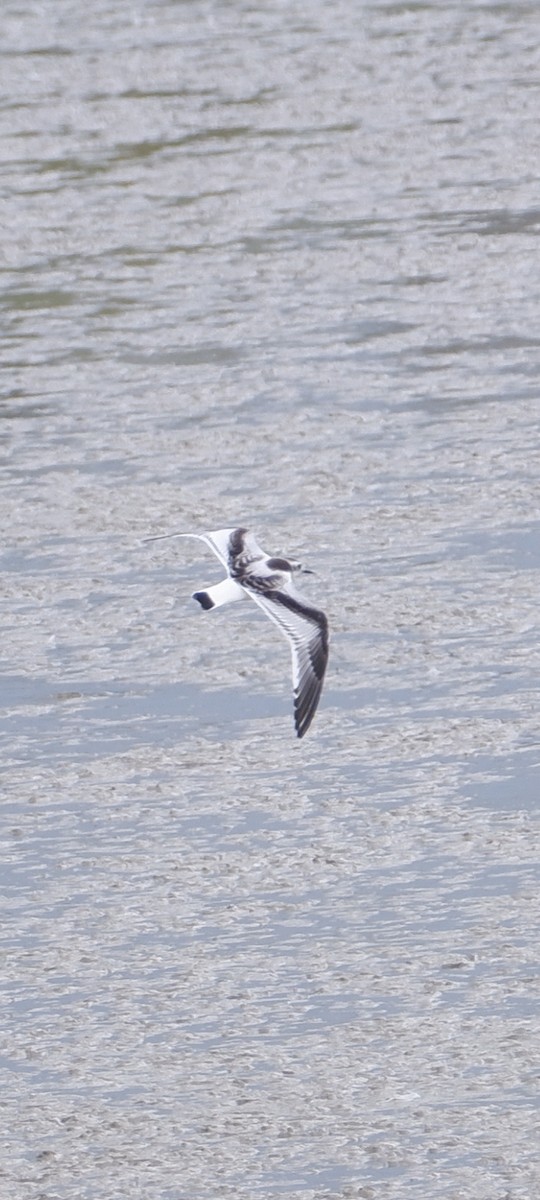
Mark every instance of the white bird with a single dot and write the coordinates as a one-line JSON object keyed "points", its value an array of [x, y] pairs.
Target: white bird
{"points": [[269, 582]]}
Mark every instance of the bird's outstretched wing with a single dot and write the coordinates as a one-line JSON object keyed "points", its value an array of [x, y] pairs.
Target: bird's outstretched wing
{"points": [[235, 548], [306, 628], [243, 552], [218, 541]]}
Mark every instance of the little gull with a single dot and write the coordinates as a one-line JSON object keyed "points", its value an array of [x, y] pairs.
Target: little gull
{"points": [[269, 582]]}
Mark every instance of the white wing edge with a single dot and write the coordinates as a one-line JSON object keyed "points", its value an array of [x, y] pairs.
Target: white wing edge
{"points": [[216, 540]]}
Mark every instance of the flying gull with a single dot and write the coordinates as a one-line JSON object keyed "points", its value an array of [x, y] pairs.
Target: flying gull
{"points": [[269, 582]]}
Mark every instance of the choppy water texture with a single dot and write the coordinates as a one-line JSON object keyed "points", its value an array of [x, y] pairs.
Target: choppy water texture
{"points": [[275, 265]]}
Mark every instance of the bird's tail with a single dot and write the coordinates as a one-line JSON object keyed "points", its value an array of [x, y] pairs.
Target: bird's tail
{"points": [[222, 593]]}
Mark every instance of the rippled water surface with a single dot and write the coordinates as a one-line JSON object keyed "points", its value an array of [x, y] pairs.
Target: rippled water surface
{"points": [[274, 265]]}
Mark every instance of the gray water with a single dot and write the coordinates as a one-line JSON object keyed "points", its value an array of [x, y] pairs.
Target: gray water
{"points": [[274, 265]]}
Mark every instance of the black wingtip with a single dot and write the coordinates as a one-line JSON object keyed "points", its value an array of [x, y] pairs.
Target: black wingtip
{"points": [[302, 721], [306, 704], [204, 600], [302, 729]]}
